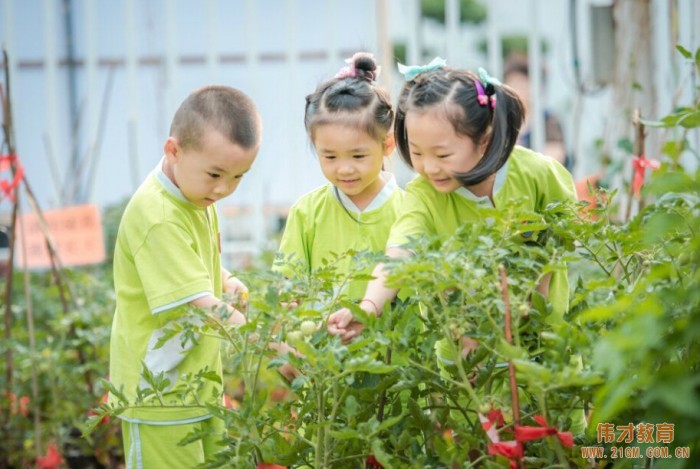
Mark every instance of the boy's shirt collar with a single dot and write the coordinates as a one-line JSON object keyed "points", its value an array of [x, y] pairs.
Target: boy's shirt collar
{"points": [[169, 185], [389, 187]]}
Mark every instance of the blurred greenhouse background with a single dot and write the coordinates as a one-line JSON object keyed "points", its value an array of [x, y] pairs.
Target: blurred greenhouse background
{"points": [[93, 85], [95, 82]]}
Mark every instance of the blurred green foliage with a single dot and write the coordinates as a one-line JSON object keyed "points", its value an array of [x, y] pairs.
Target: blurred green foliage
{"points": [[470, 11]]}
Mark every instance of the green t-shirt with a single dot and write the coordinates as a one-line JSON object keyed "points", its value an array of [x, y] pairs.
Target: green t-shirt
{"points": [[535, 179], [320, 228], [167, 255]]}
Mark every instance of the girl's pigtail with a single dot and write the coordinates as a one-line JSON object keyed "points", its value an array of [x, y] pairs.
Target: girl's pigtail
{"points": [[507, 115], [507, 118]]}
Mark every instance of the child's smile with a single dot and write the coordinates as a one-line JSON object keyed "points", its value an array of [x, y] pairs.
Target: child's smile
{"points": [[437, 151], [351, 160]]}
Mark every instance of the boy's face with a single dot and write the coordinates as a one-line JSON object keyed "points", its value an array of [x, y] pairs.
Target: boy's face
{"points": [[210, 172]]}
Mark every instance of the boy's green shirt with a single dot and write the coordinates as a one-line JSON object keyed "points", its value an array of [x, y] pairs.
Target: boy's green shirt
{"points": [[167, 255]]}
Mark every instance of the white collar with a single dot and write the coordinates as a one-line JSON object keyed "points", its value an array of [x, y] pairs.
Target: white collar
{"points": [[497, 184], [389, 187], [169, 185]]}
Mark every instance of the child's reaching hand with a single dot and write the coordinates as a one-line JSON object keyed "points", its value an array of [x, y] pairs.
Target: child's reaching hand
{"points": [[235, 287], [342, 323]]}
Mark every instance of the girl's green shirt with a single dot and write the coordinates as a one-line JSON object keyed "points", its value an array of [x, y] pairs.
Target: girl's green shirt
{"points": [[530, 178], [324, 225]]}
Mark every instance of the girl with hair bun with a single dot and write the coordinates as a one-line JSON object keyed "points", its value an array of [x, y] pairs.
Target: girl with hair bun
{"points": [[349, 121]]}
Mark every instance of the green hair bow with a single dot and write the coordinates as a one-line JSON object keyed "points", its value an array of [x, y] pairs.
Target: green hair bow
{"points": [[412, 71]]}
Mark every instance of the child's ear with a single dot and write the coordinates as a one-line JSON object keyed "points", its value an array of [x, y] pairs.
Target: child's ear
{"points": [[389, 144], [170, 149], [484, 143]]}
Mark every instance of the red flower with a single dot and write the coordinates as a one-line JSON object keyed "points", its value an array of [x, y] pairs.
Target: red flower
{"points": [[265, 465], [448, 435], [103, 400], [496, 417], [231, 403], [513, 450], [640, 164], [509, 449], [52, 460], [533, 433], [18, 406], [372, 463]]}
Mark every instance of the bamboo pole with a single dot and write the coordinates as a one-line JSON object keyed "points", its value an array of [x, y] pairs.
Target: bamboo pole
{"points": [[9, 144]]}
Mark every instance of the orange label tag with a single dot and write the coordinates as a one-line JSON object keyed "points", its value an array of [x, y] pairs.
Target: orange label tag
{"points": [[76, 233]]}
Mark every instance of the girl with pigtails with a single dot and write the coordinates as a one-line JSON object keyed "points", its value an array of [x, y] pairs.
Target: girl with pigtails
{"points": [[349, 121], [458, 131]]}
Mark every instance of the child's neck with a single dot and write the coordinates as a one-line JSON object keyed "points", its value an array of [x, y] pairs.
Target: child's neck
{"points": [[484, 188], [363, 199]]}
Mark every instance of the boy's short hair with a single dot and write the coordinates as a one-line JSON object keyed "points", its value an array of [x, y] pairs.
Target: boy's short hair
{"points": [[225, 109]]}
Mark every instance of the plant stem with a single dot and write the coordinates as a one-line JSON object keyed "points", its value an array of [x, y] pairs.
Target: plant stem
{"points": [[320, 437], [509, 339]]}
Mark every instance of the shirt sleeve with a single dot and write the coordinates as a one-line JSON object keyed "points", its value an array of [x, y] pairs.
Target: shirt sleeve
{"points": [[171, 271], [558, 186], [414, 220], [294, 253]]}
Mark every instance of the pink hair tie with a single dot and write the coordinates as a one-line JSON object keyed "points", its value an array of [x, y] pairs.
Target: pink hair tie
{"points": [[347, 72], [350, 71], [482, 97]]}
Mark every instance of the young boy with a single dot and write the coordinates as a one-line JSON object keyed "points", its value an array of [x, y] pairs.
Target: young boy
{"points": [[167, 257]]}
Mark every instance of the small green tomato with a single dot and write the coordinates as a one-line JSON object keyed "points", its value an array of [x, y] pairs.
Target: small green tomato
{"points": [[294, 336], [308, 328], [524, 310]]}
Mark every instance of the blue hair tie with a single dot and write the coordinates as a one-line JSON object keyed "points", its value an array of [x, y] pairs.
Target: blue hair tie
{"points": [[487, 79], [412, 71]]}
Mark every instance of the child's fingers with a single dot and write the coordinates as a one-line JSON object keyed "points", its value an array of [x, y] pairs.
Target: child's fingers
{"points": [[341, 318], [352, 331], [335, 330], [243, 299], [237, 318]]}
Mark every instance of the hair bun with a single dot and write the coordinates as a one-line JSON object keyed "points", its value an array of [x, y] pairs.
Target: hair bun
{"points": [[366, 66], [361, 65]]}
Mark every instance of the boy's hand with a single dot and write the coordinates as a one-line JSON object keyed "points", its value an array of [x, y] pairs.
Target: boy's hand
{"points": [[235, 287], [237, 318]]}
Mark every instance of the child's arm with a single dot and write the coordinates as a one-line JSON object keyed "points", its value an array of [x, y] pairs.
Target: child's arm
{"points": [[210, 302], [343, 324]]}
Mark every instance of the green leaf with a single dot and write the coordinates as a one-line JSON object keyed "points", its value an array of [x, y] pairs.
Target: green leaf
{"points": [[212, 376], [685, 52], [347, 433], [605, 311], [650, 123], [690, 120], [367, 365], [118, 393], [626, 145]]}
